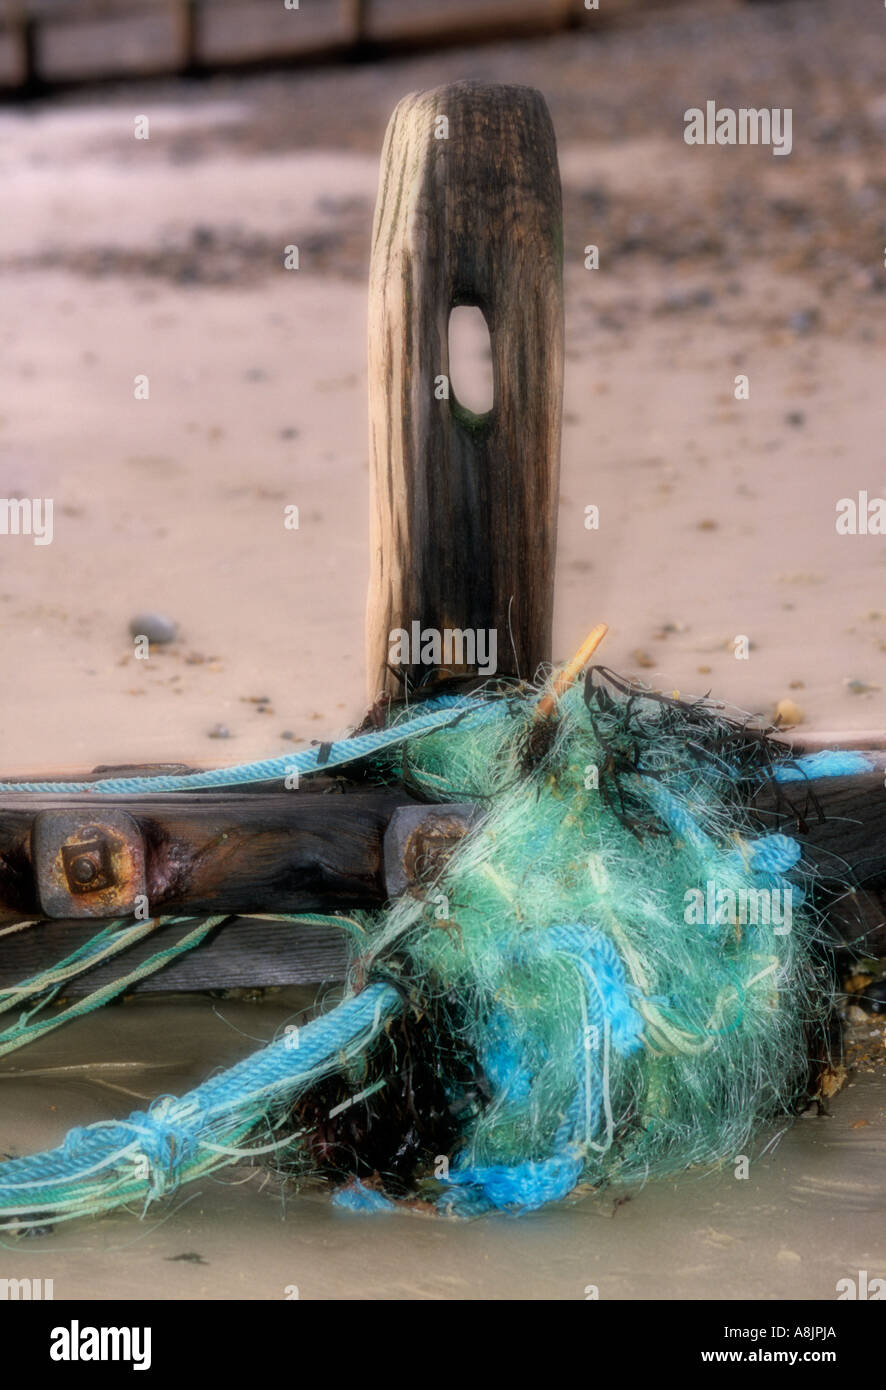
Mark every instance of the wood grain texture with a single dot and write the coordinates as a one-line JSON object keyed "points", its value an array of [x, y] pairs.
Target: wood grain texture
{"points": [[237, 953], [841, 818], [463, 508], [292, 851], [840, 823]]}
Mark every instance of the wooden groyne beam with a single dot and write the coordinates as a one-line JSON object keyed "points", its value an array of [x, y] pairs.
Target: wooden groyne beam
{"points": [[43, 44]]}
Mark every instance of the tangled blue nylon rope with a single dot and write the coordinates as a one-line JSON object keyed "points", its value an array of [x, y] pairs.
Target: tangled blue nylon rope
{"points": [[437, 714], [154, 1147], [837, 762], [611, 1020]]}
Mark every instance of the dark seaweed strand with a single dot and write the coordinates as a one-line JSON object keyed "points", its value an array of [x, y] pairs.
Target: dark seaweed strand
{"points": [[725, 743]]}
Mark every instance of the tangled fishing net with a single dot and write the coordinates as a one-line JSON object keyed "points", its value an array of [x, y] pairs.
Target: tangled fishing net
{"points": [[615, 974]]}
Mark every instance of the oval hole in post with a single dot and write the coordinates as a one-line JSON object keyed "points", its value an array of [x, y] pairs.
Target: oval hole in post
{"points": [[470, 359]]}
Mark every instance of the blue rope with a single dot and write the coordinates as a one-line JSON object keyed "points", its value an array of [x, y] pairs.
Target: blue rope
{"points": [[446, 710], [356, 1196], [770, 854], [674, 811], [150, 1151], [611, 1021], [839, 762]]}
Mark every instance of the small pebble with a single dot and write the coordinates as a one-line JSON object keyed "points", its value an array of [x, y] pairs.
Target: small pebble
{"points": [[155, 626], [288, 735], [219, 731], [796, 418], [859, 687], [873, 998], [804, 320], [786, 712], [678, 301], [855, 983]]}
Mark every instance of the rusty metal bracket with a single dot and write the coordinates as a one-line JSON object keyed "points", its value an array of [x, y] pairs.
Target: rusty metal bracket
{"points": [[88, 863]]}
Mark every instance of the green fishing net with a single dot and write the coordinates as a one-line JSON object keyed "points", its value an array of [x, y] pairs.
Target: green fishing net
{"points": [[619, 945], [617, 972]]}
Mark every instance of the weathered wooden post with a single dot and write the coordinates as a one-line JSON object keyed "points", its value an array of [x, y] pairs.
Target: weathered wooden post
{"points": [[356, 20], [185, 19], [463, 509], [24, 25]]}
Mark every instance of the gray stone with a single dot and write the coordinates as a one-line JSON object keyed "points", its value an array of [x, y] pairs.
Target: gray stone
{"points": [[155, 626]]}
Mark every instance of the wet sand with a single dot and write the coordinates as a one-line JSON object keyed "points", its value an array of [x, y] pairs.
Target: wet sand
{"points": [[809, 1213]]}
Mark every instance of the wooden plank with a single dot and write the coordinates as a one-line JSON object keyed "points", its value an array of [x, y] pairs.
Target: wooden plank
{"points": [[242, 952], [464, 507], [127, 44], [186, 22], [290, 851], [30, 63], [407, 22], [264, 30], [18, 47], [107, 38], [840, 822], [612, 12], [355, 18]]}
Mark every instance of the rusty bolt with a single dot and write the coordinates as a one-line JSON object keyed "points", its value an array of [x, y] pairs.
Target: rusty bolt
{"points": [[83, 869], [87, 864]]}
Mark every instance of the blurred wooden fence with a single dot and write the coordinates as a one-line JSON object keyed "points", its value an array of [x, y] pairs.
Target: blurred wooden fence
{"points": [[43, 42]]}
